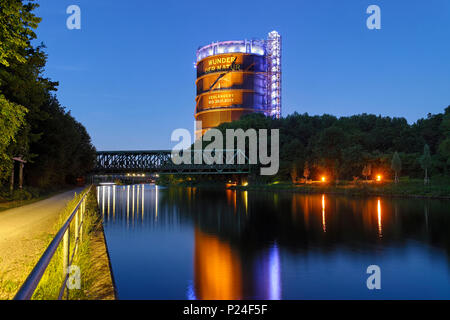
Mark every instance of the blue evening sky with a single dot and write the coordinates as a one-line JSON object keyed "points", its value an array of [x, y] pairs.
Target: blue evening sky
{"points": [[128, 74]]}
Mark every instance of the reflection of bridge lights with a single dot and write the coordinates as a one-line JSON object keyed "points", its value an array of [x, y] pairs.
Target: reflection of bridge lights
{"points": [[103, 200], [109, 197], [128, 205], [156, 202], [143, 200], [114, 202]]}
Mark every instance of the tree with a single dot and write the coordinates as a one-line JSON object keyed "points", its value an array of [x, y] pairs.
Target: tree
{"points": [[11, 119], [18, 22], [367, 170], [33, 124], [306, 171], [444, 146], [396, 165], [425, 162], [336, 169]]}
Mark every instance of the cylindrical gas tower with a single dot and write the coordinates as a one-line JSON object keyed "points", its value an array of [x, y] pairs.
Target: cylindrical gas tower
{"points": [[236, 78]]}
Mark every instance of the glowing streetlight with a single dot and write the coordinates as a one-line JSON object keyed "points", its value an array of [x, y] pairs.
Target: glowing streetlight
{"points": [[323, 179]]}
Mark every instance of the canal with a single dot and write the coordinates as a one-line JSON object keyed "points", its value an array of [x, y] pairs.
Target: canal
{"points": [[191, 243]]}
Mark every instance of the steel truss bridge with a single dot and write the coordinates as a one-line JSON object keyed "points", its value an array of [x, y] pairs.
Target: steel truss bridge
{"points": [[160, 161]]}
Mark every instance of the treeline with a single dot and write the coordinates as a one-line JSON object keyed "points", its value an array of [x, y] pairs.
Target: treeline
{"points": [[357, 147], [33, 124]]}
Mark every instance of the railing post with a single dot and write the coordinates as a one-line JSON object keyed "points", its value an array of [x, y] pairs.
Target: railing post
{"points": [[66, 245], [77, 225], [82, 218]]}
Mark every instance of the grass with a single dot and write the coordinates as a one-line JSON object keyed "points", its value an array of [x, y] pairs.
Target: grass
{"points": [[438, 188], [8, 286], [7, 203], [50, 284]]}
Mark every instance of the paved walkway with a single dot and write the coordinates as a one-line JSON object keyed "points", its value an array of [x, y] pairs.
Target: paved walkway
{"points": [[24, 234]]}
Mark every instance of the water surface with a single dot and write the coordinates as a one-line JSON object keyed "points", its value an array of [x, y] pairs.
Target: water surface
{"points": [[190, 243]]}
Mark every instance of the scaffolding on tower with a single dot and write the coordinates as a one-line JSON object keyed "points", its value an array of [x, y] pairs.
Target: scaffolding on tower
{"points": [[273, 51]]}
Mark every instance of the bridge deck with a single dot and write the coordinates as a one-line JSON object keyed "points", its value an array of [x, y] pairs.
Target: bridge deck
{"points": [[158, 161]]}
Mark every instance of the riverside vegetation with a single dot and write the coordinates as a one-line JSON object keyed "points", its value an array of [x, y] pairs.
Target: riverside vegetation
{"points": [[350, 154], [50, 284], [34, 126]]}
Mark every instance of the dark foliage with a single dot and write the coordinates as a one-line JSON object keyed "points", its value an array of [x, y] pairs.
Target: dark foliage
{"points": [[56, 146], [341, 147]]}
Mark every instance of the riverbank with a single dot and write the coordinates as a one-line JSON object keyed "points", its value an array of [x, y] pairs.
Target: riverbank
{"points": [[91, 258], [413, 188], [17, 261]]}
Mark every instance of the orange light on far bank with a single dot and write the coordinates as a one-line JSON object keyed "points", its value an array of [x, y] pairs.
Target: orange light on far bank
{"points": [[323, 179], [379, 177]]}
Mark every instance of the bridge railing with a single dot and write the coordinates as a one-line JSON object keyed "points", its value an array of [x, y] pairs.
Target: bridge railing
{"points": [[28, 288]]}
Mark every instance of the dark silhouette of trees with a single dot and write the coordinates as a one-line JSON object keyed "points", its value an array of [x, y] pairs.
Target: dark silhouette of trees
{"points": [[306, 171], [367, 170], [425, 162], [396, 165], [344, 146], [33, 124]]}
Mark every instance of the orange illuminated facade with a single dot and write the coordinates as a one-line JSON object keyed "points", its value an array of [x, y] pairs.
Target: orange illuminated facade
{"points": [[236, 78]]}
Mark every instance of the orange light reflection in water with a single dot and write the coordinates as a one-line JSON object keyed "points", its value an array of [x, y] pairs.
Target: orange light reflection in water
{"points": [[231, 198], [246, 201], [324, 223], [217, 269]]}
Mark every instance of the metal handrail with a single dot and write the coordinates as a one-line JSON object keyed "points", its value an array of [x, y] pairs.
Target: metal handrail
{"points": [[27, 289]]}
